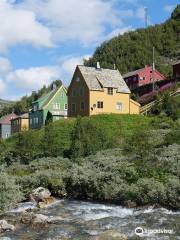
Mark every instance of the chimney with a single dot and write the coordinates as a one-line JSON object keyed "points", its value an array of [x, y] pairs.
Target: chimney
{"points": [[98, 65]]}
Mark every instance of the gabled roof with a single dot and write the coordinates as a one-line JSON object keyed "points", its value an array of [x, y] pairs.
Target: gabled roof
{"points": [[44, 100], [6, 120], [129, 74], [97, 79], [176, 63], [22, 116]]}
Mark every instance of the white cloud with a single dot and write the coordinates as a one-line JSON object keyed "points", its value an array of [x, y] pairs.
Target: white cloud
{"points": [[21, 26], [84, 21], [119, 31], [5, 65], [33, 78], [2, 87], [45, 23], [169, 8], [19, 82], [68, 65], [141, 13]]}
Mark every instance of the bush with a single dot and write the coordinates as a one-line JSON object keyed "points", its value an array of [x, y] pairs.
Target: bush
{"points": [[148, 191], [10, 194], [173, 192], [87, 138]]}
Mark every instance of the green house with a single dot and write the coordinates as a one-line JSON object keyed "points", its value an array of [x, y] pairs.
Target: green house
{"points": [[52, 106]]}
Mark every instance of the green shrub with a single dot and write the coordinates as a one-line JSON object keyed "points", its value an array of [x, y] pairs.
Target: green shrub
{"points": [[10, 194], [173, 192], [88, 137], [148, 191]]}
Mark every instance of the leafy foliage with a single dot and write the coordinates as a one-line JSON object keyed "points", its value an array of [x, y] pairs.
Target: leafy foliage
{"points": [[10, 194]]}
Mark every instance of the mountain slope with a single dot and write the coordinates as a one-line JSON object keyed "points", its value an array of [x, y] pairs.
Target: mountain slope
{"points": [[133, 50], [5, 103]]}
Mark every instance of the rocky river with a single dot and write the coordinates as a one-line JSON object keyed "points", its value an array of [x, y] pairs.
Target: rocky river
{"points": [[81, 220]]}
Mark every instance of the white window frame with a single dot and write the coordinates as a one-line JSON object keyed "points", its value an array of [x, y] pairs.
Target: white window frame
{"points": [[119, 106], [56, 106], [65, 106]]}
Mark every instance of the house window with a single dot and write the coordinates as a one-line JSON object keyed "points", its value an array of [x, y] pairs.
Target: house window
{"points": [[36, 120], [35, 107], [65, 106], [119, 106], [73, 107], [74, 93], [82, 106], [56, 106], [81, 91], [7, 135], [99, 104], [78, 79], [62, 95], [31, 121], [110, 91]]}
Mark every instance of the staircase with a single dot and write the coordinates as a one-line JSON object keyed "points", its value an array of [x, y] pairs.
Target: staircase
{"points": [[144, 110]]}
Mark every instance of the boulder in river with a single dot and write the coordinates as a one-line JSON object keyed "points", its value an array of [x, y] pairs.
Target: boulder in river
{"points": [[46, 202], [27, 217], [112, 235], [130, 204], [5, 226], [39, 219], [39, 194]]}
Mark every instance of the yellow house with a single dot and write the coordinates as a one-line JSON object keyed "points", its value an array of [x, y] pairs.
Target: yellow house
{"points": [[99, 91], [20, 123]]}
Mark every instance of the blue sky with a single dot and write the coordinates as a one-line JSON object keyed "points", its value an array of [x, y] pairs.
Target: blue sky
{"points": [[43, 40]]}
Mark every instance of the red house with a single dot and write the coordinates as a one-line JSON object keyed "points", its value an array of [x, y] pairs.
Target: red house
{"points": [[142, 77], [176, 71]]}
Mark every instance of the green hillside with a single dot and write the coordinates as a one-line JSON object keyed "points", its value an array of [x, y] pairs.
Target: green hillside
{"points": [[113, 158], [133, 50], [5, 103]]}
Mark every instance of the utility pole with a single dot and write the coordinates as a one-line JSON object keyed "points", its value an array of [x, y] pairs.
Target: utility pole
{"points": [[146, 16], [153, 69]]}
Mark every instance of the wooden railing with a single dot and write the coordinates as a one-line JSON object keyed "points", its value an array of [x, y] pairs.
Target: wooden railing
{"points": [[144, 110]]}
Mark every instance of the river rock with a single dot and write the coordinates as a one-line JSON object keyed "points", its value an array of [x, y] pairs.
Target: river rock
{"points": [[39, 219], [130, 204], [112, 235], [27, 217], [39, 194], [5, 226], [46, 202]]}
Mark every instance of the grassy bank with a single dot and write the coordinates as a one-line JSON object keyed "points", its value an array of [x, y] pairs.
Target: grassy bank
{"points": [[113, 158]]}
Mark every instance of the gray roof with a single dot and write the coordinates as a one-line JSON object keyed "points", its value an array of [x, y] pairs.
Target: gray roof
{"points": [[129, 74], [177, 62], [97, 79]]}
